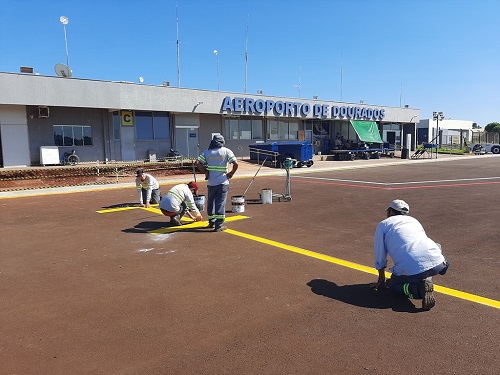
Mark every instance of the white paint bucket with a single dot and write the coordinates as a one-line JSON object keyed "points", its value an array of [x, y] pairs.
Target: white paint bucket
{"points": [[266, 196], [199, 201], [238, 202]]}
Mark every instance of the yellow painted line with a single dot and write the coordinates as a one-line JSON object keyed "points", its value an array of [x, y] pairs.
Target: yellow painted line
{"points": [[108, 210], [360, 267], [193, 225], [117, 209]]}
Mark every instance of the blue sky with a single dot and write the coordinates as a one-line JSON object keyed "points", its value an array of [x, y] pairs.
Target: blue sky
{"points": [[435, 55]]}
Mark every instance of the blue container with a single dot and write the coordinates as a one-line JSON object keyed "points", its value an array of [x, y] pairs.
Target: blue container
{"points": [[298, 150], [265, 146]]}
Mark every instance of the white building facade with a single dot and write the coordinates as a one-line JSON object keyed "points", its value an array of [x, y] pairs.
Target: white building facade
{"points": [[124, 121]]}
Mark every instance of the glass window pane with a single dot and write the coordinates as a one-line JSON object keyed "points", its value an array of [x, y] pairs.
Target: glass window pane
{"points": [[116, 125], [67, 136], [161, 124], [245, 129], [283, 130], [293, 130], [78, 135], [87, 135], [58, 135], [257, 129], [233, 129], [144, 125], [272, 130], [227, 127]]}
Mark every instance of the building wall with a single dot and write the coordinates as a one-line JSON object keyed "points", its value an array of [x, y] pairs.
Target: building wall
{"points": [[41, 131], [14, 136], [74, 101]]}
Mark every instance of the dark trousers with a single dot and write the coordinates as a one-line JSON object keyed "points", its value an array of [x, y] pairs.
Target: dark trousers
{"points": [[408, 285], [216, 204]]}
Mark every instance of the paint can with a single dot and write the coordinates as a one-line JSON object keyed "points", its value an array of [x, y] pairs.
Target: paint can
{"points": [[199, 201], [266, 196], [238, 203]]}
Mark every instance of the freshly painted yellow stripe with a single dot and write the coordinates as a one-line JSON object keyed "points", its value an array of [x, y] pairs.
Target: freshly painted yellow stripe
{"points": [[467, 296], [360, 267], [108, 210], [193, 225], [152, 209], [312, 254]]}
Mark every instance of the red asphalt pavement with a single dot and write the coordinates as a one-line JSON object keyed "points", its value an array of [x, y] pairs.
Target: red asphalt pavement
{"points": [[91, 285]]}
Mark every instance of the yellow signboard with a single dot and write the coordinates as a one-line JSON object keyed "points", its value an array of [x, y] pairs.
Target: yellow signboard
{"points": [[127, 119]]}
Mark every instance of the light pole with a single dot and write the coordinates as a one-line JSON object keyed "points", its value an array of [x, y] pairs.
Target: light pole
{"points": [[216, 53], [65, 20], [437, 116]]}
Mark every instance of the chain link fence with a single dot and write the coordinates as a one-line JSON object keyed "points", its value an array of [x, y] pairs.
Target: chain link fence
{"points": [[485, 137]]}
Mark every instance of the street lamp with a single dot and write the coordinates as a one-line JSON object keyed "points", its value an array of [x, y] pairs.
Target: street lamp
{"points": [[216, 53], [65, 20], [437, 116]]}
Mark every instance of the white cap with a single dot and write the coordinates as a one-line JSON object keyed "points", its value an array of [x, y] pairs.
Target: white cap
{"points": [[400, 206]]}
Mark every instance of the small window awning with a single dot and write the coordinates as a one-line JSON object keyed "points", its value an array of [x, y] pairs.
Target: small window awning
{"points": [[367, 131]]}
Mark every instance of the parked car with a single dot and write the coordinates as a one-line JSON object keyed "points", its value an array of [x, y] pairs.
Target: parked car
{"points": [[494, 148]]}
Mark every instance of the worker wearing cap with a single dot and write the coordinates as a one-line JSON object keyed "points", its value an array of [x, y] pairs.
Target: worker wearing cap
{"points": [[415, 256], [178, 201], [215, 160], [148, 188]]}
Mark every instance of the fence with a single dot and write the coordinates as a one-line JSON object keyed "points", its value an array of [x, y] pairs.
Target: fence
{"points": [[485, 137]]}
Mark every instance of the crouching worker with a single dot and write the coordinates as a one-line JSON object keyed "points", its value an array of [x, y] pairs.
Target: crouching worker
{"points": [[415, 256], [180, 201], [148, 189]]}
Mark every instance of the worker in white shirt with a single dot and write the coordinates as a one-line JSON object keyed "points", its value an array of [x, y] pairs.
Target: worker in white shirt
{"points": [[148, 189], [179, 201], [415, 256]]}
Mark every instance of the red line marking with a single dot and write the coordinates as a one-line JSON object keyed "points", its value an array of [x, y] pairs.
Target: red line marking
{"points": [[360, 185]]}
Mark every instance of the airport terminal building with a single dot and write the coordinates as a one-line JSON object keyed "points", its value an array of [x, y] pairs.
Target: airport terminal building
{"points": [[123, 121]]}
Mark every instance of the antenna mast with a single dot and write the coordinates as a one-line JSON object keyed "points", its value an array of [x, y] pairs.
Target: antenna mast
{"points": [[178, 51], [246, 59]]}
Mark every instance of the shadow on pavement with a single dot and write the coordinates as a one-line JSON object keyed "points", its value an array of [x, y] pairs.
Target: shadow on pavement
{"points": [[147, 226], [121, 205], [362, 295]]}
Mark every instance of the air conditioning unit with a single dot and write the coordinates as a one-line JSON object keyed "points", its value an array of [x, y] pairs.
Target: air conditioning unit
{"points": [[43, 112]]}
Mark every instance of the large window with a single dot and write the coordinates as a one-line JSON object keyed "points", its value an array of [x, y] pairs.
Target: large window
{"points": [[72, 135], [152, 125], [243, 128], [283, 129]]}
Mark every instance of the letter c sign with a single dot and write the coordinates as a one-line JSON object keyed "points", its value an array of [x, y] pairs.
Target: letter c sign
{"points": [[127, 119]]}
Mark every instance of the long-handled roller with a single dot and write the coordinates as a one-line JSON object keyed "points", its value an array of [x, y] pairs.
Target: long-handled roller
{"points": [[254, 177]]}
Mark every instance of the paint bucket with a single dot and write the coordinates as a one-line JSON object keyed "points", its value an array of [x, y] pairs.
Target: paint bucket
{"points": [[238, 202], [266, 196], [199, 201]]}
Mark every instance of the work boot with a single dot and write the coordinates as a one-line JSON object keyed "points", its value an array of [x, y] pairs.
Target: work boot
{"points": [[426, 289], [175, 220], [220, 229]]}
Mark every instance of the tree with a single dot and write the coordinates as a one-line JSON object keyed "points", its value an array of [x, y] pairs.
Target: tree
{"points": [[492, 127]]}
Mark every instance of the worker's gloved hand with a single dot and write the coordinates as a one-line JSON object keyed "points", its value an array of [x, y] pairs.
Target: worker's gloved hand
{"points": [[148, 205], [142, 205], [379, 285], [198, 218]]}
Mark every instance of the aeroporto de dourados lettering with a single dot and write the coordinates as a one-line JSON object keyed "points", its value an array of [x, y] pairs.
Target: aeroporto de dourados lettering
{"points": [[298, 109]]}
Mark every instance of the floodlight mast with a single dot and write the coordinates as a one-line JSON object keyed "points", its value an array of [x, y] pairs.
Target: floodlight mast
{"points": [[178, 48], [65, 20], [216, 53]]}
